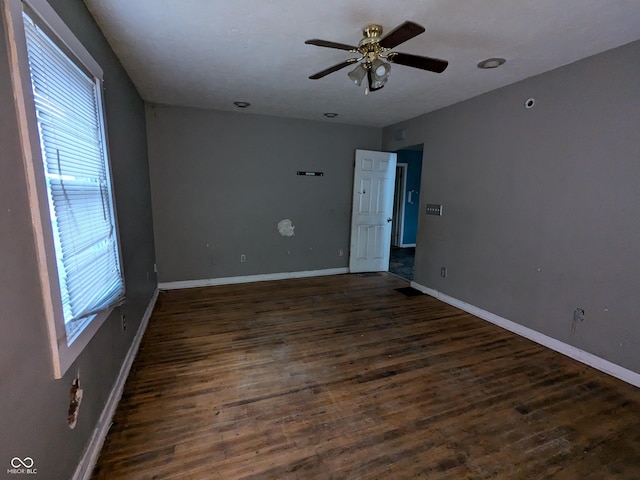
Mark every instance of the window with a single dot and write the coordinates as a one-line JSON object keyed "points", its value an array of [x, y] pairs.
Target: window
{"points": [[67, 155]]}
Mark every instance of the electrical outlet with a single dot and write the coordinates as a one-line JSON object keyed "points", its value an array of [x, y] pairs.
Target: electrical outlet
{"points": [[243, 258], [578, 315], [443, 272], [124, 322]]}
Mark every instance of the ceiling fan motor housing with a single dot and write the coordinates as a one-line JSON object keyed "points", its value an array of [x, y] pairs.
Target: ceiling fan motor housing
{"points": [[369, 46]]}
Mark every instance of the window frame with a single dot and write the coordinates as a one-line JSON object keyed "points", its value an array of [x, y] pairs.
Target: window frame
{"points": [[63, 355]]}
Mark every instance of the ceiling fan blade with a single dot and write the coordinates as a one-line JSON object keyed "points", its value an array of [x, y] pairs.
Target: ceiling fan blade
{"points": [[425, 63], [335, 68], [401, 34], [328, 44]]}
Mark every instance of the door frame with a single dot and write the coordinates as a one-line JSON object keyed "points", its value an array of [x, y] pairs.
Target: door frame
{"points": [[400, 198]]}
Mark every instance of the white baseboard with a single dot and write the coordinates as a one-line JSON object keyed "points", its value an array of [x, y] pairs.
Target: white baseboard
{"points": [[407, 245], [249, 278], [90, 456], [570, 351]]}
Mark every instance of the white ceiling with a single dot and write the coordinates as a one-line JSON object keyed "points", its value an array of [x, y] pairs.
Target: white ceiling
{"points": [[210, 53]]}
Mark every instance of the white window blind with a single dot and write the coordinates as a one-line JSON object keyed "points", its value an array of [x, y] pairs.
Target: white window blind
{"points": [[68, 108]]}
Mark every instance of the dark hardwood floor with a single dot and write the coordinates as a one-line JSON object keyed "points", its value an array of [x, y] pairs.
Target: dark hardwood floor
{"points": [[346, 378]]}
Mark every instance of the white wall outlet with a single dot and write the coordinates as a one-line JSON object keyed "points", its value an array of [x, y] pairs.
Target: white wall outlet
{"points": [[243, 258]]}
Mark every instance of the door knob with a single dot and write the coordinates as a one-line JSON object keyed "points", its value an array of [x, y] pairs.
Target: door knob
{"points": [[389, 219]]}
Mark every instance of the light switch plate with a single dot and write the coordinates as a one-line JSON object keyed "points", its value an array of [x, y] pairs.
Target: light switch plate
{"points": [[434, 209]]}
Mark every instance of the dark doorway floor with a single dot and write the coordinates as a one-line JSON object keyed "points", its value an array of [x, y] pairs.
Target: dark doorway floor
{"points": [[401, 262]]}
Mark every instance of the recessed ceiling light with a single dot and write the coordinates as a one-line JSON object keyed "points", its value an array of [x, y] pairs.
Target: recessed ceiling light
{"points": [[242, 104], [491, 63], [331, 115]]}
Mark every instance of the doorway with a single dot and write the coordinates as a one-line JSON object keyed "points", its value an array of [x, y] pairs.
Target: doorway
{"points": [[406, 211], [399, 198]]}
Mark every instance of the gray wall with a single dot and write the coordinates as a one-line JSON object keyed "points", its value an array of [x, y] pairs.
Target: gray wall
{"points": [[221, 182], [541, 206], [34, 405]]}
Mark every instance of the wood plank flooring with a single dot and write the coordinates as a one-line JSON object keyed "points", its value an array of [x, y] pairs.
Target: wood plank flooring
{"points": [[346, 378]]}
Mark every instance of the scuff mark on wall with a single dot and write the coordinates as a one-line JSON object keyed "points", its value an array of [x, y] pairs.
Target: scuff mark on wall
{"points": [[74, 405], [285, 227]]}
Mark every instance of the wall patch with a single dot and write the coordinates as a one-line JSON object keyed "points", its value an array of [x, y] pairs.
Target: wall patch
{"points": [[285, 227]]}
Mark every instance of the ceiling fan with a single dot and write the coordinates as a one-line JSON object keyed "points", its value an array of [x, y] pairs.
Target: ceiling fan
{"points": [[374, 49]]}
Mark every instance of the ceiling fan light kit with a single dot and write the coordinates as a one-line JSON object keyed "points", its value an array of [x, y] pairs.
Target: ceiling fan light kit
{"points": [[357, 74], [375, 58], [379, 74]]}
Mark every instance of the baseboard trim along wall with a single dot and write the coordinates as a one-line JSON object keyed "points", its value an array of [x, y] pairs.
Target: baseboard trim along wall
{"points": [[570, 351], [249, 278], [90, 456]]}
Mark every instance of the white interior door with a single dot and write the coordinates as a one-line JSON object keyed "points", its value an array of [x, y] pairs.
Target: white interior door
{"points": [[372, 214]]}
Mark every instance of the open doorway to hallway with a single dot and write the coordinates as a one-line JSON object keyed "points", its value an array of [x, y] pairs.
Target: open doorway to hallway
{"points": [[405, 211]]}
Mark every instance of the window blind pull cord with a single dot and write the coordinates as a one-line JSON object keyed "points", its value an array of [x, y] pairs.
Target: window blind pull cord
{"points": [[60, 172], [62, 185], [103, 192]]}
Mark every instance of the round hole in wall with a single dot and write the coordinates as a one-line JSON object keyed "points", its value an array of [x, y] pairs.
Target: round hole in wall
{"points": [[529, 103]]}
